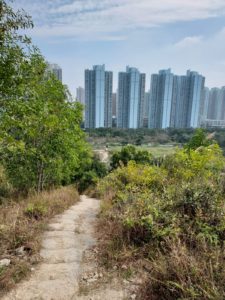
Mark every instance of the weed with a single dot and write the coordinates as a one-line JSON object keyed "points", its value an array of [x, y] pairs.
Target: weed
{"points": [[22, 223], [36, 210]]}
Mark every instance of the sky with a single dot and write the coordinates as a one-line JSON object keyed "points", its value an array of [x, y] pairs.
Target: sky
{"points": [[147, 34]]}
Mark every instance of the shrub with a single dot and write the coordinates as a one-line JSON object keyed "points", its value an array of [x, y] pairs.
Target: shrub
{"points": [[90, 173], [129, 153], [199, 139], [36, 210], [174, 216]]}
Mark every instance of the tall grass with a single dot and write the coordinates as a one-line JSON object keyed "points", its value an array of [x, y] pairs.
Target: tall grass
{"points": [[21, 225]]}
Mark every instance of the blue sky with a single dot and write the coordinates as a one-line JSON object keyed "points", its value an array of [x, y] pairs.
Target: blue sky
{"points": [[147, 34]]}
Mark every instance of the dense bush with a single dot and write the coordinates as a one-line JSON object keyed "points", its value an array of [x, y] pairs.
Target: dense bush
{"points": [[129, 153], [175, 215], [90, 173]]}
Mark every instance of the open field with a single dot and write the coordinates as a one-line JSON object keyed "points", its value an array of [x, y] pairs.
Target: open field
{"points": [[157, 151]]}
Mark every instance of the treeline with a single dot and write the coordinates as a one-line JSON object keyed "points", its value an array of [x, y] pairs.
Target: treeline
{"points": [[144, 135], [41, 143]]}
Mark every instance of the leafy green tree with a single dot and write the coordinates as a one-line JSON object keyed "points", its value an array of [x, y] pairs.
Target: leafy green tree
{"points": [[14, 48], [90, 173], [41, 135], [129, 153], [199, 139], [41, 143]]}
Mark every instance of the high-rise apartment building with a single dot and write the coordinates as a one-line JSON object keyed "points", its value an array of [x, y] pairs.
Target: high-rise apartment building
{"points": [[161, 99], [56, 70], [80, 95], [179, 108], [196, 93], [98, 97], [146, 109], [214, 108], [216, 104], [141, 111], [204, 106], [222, 116], [131, 95], [114, 104], [108, 99], [175, 100]]}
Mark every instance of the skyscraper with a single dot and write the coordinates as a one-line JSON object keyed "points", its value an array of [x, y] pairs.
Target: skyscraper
{"points": [[179, 108], [98, 97], [80, 95], [108, 99], [141, 111], [215, 102], [222, 116], [175, 101], [131, 93], [204, 106], [161, 99], [216, 107], [146, 109], [56, 70], [196, 92], [114, 104]]}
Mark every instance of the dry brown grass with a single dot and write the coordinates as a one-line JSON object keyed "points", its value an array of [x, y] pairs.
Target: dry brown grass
{"points": [[21, 225], [169, 273], [183, 273]]}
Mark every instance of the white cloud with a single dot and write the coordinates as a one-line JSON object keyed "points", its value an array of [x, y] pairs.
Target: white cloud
{"points": [[189, 41], [214, 44], [203, 54], [79, 18]]}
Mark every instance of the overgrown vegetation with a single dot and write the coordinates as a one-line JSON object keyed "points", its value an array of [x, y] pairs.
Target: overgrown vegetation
{"points": [[41, 147], [41, 143], [21, 225], [90, 173], [172, 217]]}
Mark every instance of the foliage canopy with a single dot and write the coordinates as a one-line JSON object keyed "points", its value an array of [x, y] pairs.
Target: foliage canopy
{"points": [[41, 143]]}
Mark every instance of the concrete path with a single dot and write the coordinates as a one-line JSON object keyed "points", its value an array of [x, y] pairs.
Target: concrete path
{"points": [[67, 238]]}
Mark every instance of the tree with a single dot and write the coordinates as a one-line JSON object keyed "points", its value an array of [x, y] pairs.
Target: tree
{"points": [[41, 135], [199, 139], [41, 143], [129, 153], [14, 48], [90, 173]]}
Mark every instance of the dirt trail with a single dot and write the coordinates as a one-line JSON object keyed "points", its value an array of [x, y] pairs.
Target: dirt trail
{"points": [[68, 238], [103, 155]]}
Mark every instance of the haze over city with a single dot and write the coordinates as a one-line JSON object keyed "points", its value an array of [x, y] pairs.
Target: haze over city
{"points": [[149, 35]]}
